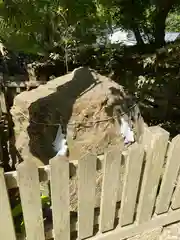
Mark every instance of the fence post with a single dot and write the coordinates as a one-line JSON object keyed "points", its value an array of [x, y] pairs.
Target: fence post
{"points": [[86, 195], [28, 180], [156, 147], [59, 180], [111, 170], [6, 222], [1, 134], [170, 176], [131, 183]]}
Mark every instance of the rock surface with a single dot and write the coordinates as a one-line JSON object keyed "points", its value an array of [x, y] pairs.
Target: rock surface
{"points": [[89, 108]]}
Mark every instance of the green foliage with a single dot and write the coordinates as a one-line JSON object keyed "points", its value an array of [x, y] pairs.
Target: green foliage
{"points": [[146, 18], [44, 24], [18, 214], [40, 26], [155, 80], [128, 14], [173, 22]]}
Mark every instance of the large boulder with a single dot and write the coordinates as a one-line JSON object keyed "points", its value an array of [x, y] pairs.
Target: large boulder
{"points": [[93, 112]]}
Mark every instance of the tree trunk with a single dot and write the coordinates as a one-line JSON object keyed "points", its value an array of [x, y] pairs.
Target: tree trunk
{"points": [[138, 36], [159, 29], [162, 10]]}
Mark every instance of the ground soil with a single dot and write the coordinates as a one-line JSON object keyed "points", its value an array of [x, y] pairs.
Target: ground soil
{"points": [[170, 232]]}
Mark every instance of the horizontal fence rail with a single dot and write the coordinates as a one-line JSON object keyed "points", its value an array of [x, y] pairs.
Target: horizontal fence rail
{"points": [[122, 195]]}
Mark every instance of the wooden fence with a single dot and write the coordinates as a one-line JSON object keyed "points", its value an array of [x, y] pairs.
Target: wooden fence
{"points": [[8, 91], [147, 197]]}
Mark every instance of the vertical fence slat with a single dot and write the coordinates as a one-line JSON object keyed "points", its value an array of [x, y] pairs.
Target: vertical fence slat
{"points": [[1, 134], [176, 196], [86, 195], [6, 222], [59, 179], [3, 102], [170, 175], [111, 171], [28, 181], [131, 184], [155, 154], [18, 90]]}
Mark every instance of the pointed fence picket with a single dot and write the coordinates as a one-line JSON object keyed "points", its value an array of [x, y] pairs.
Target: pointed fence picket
{"points": [[86, 195], [29, 187], [111, 170], [150, 193], [131, 184], [170, 176], [59, 179], [6, 222], [155, 155]]}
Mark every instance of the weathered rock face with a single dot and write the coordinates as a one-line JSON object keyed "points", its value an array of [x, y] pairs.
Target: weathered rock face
{"points": [[88, 106]]}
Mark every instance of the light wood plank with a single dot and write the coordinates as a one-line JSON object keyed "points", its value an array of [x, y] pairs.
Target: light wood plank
{"points": [[131, 184], [170, 176], [121, 173], [110, 189], [132, 230], [59, 179], [3, 102], [86, 195], [28, 180], [11, 177], [1, 141], [155, 154], [0, 109], [6, 222], [18, 89], [176, 196]]}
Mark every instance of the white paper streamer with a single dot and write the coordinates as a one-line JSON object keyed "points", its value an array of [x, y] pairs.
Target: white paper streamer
{"points": [[60, 143], [126, 131]]}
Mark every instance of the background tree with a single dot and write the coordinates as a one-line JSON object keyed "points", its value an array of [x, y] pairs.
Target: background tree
{"points": [[43, 25], [39, 26], [173, 21], [146, 18], [160, 14]]}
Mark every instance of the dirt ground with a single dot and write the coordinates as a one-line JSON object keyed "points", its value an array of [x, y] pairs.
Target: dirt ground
{"points": [[170, 232], [150, 235]]}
